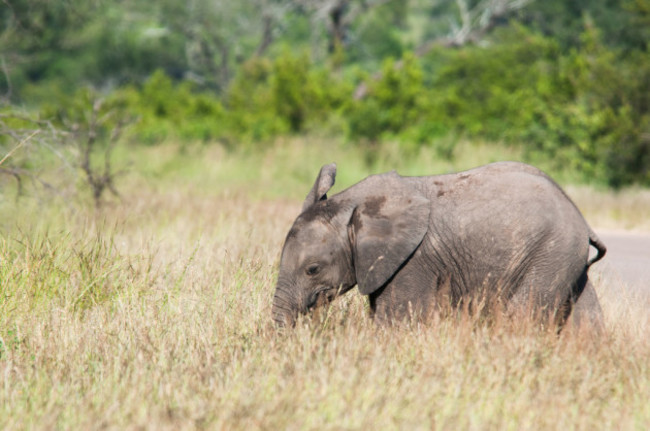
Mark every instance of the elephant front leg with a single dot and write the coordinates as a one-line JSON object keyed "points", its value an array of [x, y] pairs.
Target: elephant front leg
{"points": [[396, 303]]}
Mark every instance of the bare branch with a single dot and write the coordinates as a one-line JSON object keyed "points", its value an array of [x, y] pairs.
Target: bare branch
{"points": [[272, 15], [460, 34], [267, 35], [23, 136], [36, 132], [88, 136], [479, 20], [7, 96], [338, 15]]}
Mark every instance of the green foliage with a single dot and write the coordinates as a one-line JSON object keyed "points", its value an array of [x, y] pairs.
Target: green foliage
{"points": [[620, 20], [290, 90], [393, 102], [169, 110], [53, 47], [250, 102], [161, 109], [586, 110], [598, 121], [564, 81], [287, 95], [379, 34], [266, 99], [486, 91]]}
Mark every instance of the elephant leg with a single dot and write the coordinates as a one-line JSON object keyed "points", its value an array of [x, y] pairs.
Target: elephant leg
{"points": [[548, 306], [587, 313]]}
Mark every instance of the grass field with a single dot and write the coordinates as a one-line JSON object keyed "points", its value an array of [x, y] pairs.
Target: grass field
{"points": [[154, 313]]}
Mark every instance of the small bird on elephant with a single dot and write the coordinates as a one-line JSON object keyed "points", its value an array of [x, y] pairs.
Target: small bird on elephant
{"points": [[503, 234]]}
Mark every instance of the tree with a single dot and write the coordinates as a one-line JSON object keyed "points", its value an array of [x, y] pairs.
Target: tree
{"points": [[469, 25], [338, 17], [219, 35]]}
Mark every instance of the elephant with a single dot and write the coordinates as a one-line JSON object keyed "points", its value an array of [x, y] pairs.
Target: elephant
{"points": [[504, 234]]}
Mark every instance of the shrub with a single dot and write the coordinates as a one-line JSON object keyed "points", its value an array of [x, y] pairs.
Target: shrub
{"points": [[586, 110], [394, 102], [173, 110], [286, 95]]}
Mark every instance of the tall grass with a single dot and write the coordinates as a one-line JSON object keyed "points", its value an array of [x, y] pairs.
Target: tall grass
{"points": [[155, 313]]}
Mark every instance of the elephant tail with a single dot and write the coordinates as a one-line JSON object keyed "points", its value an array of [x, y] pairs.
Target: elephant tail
{"points": [[600, 248]]}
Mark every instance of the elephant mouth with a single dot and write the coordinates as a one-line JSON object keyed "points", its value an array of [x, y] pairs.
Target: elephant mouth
{"points": [[322, 296]]}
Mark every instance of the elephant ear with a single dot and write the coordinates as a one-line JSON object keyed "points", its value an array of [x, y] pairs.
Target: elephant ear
{"points": [[324, 182], [385, 230]]}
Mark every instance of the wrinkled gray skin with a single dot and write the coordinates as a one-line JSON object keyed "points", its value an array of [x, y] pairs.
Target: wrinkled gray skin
{"points": [[503, 234]]}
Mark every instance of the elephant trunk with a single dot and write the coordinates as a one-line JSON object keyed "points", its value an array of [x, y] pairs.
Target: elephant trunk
{"points": [[284, 310]]}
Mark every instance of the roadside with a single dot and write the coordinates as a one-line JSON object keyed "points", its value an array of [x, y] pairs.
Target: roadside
{"points": [[627, 262]]}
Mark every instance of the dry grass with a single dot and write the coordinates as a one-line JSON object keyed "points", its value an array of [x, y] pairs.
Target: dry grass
{"points": [[627, 209], [155, 314]]}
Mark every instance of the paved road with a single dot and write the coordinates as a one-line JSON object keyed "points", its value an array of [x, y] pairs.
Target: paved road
{"points": [[627, 262]]}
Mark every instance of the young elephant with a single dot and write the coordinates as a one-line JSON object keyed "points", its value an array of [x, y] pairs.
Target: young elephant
{"points": [[502, 234]]}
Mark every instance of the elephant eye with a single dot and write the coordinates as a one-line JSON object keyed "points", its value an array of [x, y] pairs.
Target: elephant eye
{"points": [[313, 269]]}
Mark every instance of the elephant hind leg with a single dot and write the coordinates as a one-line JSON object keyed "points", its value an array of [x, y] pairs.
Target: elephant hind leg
{"points": [[587, 313], [573, 303]]}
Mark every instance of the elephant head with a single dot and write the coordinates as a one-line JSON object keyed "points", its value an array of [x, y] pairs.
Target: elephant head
{"points": [[361, 236]]}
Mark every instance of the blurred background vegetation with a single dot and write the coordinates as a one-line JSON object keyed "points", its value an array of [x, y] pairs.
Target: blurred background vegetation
{"points": [[564, 82]]}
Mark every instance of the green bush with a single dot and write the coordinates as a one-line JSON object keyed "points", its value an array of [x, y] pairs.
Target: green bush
{"points": [[393, 103], [290, 89], [599, 122], [586, 108], [251, 104], [286, 95], [493, 92], [174, 110]]}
